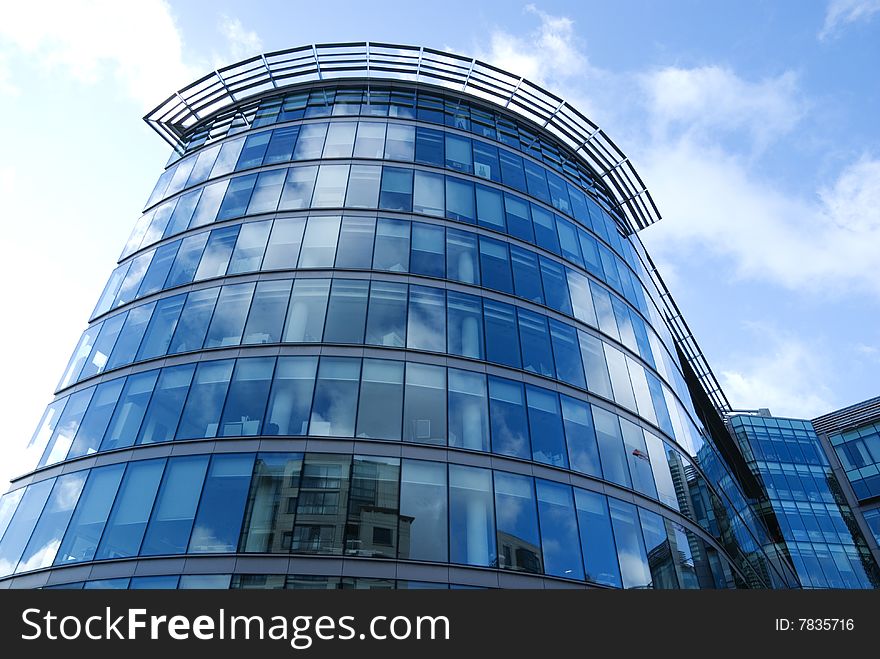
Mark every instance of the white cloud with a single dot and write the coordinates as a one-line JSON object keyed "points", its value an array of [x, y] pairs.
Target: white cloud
{"points": [[841, 13], [137, 43], [788, 378], [704, 100], [242, 43]]}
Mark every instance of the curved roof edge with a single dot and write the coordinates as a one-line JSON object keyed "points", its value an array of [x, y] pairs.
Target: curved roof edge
{"points": [[281, 69]]}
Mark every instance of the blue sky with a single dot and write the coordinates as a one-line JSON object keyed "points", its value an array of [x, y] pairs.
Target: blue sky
{"points": [[752, 123]]}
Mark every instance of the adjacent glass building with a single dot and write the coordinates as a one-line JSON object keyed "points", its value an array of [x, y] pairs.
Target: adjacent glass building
{"points": [[386, 321], [817, 530]]}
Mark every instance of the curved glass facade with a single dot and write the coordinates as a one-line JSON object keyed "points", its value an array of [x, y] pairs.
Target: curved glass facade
{"points": [[378, 334]]}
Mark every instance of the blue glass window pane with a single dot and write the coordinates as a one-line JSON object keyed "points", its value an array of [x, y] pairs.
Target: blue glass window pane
{"points": [[526, 276], [545, 229], [67, 427], [166, 404], [187, 260], [267, 192], [363, 186], [614, 460], [97, 418], [583, 453], [502, 338], [512, 173], [246, 401], [430, 108], [159, 223], [595, 368], [423, 497], [108, 333], [460, 200], [355, 248], [129, 410], [424, 411], [536, 180], [396, 193], [133, 278], [635, 571], [87, 524], [400, 142], [545, 424], [370, 142], [330, 186], [335, 404], [266, 317], [660, 409], [428, 250], [386, 317], [567, 354], [291, 397], [664, 556], [131, 510], [227, 158], [559, 530], [237, 197], [471, 516], [111, 288], [380, 405], [340, 139], [253, 151], [624, 323], [468, 410], [285, 240], [519, 547], [321, 506], [172, 518], [319, 242], [392, 245], [49, 530], [372, 525], [581, 298], [459, 154], [519, 219], [464, 321], [535, 339], [229, 318], [201, 414], [490, 208], [604, 311], [298, 188], [347, 311], [308, 308], [209, 204], [130, 337], [293, 107], [204, 163], [267, 525], [495, 265], [597, 540], [428, 194], [486, 163], [621, 384], [609, 267], [558, 193], [429, 147], [22, 523], [249, 247], [194, 320], [461, 257], [310, 142], [510, 427], [281, 145], [159, 268], [568, 241], [636, 451], [590, 251], [641, 336], [426, 323], [218, 522], [579, 206]]}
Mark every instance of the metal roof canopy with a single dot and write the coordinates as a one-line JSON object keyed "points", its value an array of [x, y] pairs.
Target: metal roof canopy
{"points": [[268, 73]]}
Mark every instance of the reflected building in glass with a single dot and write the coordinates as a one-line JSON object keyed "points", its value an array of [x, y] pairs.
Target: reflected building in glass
{"points": [[386, 321]]}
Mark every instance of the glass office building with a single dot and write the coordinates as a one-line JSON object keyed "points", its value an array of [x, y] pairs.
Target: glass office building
{"points": [[385, 322], [817, 530], [851, 439]]}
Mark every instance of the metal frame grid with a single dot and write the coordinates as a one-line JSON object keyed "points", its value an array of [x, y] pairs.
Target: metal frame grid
{"points": [[266, 74]]}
